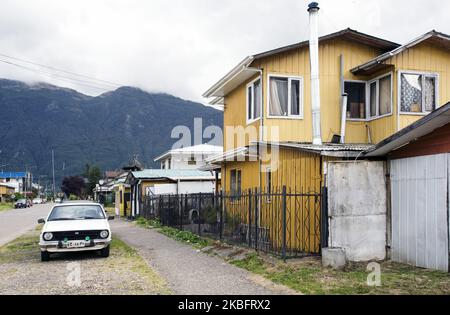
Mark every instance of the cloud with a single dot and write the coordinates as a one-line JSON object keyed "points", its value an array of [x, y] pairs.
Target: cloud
{"points": [[183, 46]]}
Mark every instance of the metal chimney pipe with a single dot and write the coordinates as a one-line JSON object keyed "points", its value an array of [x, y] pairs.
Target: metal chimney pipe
{"points": [[313, 9]]}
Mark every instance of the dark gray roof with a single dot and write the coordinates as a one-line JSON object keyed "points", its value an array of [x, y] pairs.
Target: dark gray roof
{"points": [[348, 33]]}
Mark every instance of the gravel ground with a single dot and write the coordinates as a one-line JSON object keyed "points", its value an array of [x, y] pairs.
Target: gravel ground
{"points": [[190, 271], [124, 272]]}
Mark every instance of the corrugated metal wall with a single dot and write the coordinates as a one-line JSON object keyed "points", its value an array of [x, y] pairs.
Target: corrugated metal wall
{"points": [[420, 211]]}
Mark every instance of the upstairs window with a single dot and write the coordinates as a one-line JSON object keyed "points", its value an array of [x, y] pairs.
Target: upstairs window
{"points": [[254, 98], [380, 96], [356, 100], [418, 92], [285, 97]]}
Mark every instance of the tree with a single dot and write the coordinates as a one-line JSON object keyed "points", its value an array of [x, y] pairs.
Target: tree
{"points": [[73, 185], [94, 175]]}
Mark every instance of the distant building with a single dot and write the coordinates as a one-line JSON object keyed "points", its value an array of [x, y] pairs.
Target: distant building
{"points": [[152, 182], [187, 158], [21, 181], [5, 191]]}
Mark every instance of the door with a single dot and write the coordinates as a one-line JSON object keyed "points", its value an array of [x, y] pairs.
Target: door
{"points": [[419, 192]]}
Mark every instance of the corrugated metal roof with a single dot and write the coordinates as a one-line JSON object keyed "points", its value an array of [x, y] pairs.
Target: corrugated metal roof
{"points": [[172, 174], [329, 149], [196, 149], [13, 174]]}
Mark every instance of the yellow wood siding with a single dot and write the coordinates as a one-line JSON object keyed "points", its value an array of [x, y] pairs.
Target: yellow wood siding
{"points": [[424, 57], [296, 63]]}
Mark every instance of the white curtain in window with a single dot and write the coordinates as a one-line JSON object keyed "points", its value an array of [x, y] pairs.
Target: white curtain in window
{"points": [[429, 94], [385, 95], [295, 97], [278, 97], [411, 93]]}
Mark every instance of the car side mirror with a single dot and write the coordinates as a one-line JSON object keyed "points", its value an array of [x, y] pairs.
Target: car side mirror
{"points": [[111, 217], [41, 221]]}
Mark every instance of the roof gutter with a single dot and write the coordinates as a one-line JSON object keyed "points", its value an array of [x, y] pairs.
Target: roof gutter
{"points": [[229, 76], [398, 50]]}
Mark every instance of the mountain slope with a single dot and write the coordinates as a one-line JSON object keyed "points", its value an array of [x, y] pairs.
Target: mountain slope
{"points": [[105, 130]]}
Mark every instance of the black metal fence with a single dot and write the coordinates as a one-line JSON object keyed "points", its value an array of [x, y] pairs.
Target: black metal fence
{"points": [[277, 221]]}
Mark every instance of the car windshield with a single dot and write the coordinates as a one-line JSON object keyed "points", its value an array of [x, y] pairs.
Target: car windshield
{"points": [[21, 200], [76, 212]]}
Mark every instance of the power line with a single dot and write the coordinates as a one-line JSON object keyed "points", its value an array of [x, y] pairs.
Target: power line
{"points": [[77, 81], [61, 70]]}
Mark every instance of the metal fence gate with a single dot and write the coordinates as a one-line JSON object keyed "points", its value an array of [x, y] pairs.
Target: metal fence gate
{"points": [[277, 221]]}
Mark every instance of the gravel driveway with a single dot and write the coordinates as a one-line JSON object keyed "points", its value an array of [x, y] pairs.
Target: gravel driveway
{"points": [[189, 271]]}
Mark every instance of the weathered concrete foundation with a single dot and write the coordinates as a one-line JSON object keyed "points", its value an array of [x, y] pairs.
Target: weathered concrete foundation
{"points": [[334, 258]]}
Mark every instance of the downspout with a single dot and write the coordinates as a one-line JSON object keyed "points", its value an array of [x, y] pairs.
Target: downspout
{"points": [[261, 133], [313, 9], [343, 116], [344, 97]]}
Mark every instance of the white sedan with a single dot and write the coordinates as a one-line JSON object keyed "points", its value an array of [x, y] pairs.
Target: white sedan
{"points": [[74, 227]]}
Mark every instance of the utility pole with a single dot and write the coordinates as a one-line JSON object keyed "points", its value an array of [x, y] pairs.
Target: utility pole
{"points": [[53, 171]]}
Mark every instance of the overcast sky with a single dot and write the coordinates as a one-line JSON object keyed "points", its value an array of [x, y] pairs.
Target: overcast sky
{"points": [[182, 47]]}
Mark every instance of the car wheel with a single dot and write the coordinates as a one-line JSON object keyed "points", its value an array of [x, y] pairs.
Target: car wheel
{"points": [[105, 252], [45, 256]]}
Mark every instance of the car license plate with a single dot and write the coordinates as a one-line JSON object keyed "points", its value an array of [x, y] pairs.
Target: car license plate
{"points": [[75, 244]]}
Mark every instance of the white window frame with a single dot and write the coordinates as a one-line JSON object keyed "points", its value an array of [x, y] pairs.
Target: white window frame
{"points": [[399, 89], [251, 85], [377, 80], [290, 78], [366, 100]]}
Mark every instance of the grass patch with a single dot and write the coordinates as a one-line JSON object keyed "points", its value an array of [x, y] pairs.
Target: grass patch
{"points": [[124, 256], [182, 236], [309, 277], [21, 249], [6, 206]]}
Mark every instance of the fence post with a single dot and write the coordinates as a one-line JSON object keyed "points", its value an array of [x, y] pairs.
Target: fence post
{"points": [[256, 206], [199, 213], [221, 209], [249, 231], [180, 210], [324, 219], [283, 213]]}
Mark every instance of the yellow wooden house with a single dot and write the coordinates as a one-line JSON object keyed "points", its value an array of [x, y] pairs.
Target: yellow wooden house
{"points": [[370, 88]]}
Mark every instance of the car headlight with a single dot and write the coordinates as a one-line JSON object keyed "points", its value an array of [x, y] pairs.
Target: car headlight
{"points": [[48, 236], [104, 234]]}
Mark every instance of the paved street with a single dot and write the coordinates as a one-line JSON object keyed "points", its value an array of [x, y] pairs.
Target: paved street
{"points": [[14, 223]]}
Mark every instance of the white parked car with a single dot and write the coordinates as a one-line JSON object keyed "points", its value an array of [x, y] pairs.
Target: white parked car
{"points": [[74, 227], [37, 201]]}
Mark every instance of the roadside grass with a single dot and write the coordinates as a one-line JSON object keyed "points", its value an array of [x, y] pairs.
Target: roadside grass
{"points": [[182, 236], [6, 206], [123, 259], [124, 256], [307, 276]]}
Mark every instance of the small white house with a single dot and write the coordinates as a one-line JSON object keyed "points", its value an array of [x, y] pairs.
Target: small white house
{"points": [[152, 182], [188, 157]]}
